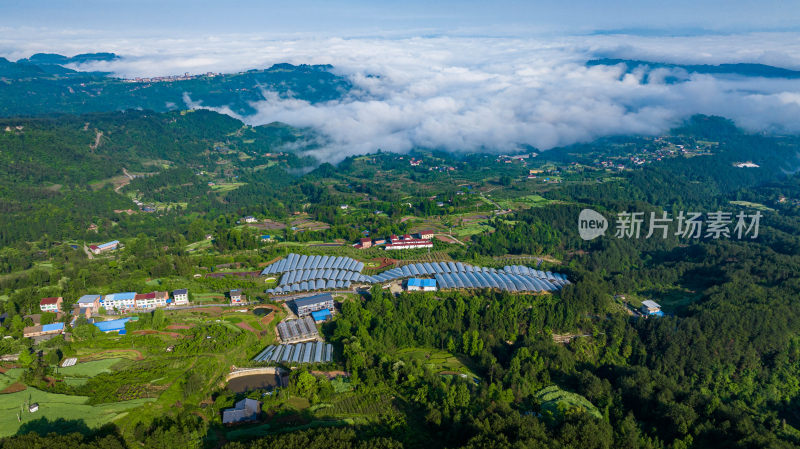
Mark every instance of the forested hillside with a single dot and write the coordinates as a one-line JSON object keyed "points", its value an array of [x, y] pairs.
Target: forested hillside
{"points": [[574, 368], [41, 85]]}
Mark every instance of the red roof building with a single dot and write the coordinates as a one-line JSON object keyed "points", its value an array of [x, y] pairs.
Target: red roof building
{"points": [[51, 304]]}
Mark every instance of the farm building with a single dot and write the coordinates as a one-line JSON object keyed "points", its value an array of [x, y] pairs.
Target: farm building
{"points": [[426, 234], [321, 315], [113, 325], [651, 308], [304, 306], [407, 242], [294, 354], [97, 249], [297, 330], [51, 304], [180, 296], [44, 331], [243, 411], [421, 285]]}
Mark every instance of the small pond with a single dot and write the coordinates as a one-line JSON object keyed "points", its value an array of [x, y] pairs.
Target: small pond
{"points": [[253, 382]]}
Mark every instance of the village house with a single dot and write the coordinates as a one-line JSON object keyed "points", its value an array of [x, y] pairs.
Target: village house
{"points": [[427, 234], [51, 304], [87, 305], [363, 243], [151, 300], [119, 301], [237, 297], [180, 296]]}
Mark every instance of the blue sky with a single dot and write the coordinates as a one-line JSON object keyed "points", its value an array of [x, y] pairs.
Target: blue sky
{"points": [[410, 17]]}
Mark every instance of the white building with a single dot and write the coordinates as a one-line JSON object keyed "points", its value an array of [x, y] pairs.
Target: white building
{"points": [[119, 301], [180, 296]]}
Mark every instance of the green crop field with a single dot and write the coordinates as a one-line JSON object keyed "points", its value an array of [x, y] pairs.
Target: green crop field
{"points": [[227, 186], [57, 406], [436, 359], [88, 369], [556, 401], [752, 205]]}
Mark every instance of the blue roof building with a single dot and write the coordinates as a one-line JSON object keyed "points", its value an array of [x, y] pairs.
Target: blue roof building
{"points": [[113, 325], [321, 315], [304, 306], [417, 284], [89, 299], [124, 296], [110, 244], [53, 327], [651, 308]]}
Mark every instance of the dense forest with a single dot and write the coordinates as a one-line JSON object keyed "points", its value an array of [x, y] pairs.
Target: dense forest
{"points": [[720, 370]]}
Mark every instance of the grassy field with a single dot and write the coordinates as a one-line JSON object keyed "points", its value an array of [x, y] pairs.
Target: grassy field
{"points": [[88, 369], [523, 202], [216, 298], [197, 246], [55, 407], [672, 298], [437, 360], [130, 354], [9, 377], [227, 186], [757, 206]]}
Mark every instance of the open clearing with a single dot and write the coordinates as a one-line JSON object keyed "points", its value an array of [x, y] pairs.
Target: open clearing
{"points": [[437, 360], [757, 206], [88, 369], [55, 407], [556, 401], [227, 186]]}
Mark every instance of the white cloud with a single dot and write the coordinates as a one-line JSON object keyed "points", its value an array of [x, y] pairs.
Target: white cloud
{"points": [[492, 94]]}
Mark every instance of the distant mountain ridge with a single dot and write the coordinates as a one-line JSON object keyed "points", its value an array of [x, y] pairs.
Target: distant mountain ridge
{"points": [[41, 84], [742, 69], [55, 58]]}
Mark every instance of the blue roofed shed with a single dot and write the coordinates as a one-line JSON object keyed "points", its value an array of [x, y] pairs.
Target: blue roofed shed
{"points": [[417, 284], [53, 327], [113, 325], [321, 315]]}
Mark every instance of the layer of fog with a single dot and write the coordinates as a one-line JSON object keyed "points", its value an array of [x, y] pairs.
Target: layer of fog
{"points": [[490, 94]]}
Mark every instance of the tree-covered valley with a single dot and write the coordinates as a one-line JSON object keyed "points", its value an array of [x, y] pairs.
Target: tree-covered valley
{"points": [[477, 368]]}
